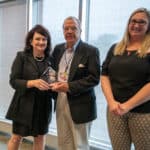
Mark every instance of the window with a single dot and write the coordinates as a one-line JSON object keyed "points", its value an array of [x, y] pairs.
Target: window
{"points": [[54, 13]]}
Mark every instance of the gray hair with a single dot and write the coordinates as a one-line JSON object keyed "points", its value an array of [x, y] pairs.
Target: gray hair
{"points": [[74, 19]]}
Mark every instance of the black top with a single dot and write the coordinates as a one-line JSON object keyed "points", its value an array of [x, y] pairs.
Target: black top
{"points": [[128, 73]]}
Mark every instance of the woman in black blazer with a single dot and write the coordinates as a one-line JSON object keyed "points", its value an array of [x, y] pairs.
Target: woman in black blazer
{"points": [[31, 106]]}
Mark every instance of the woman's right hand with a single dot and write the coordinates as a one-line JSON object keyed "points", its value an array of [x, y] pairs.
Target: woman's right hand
{"points": [[38, 83], [113, 107]]}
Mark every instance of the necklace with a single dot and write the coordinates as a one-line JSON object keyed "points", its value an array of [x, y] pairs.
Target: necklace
{"points": [[39, 58]]}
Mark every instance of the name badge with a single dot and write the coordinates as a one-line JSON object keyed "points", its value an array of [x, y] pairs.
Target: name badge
{"points": [[63, 76]]}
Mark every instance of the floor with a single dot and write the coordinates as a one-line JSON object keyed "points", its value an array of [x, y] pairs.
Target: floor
{"points": [[26, 145]]}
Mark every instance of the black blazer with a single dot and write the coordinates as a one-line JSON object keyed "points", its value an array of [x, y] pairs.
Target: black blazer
{"points": [[84, 75], [21, 108]]}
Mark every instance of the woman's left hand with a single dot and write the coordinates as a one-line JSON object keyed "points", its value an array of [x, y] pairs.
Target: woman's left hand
{"points": [[122, 109]]}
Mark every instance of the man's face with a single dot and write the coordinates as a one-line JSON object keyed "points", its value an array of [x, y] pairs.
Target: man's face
{"points": [[71, 32]]}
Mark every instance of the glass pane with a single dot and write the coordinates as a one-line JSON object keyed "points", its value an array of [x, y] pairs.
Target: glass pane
{"points": [[54, 13], [108, 20], [36, 12], [12, 33]]}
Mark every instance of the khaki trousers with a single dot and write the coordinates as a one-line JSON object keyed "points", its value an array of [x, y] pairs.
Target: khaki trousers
{"points": [[71, 136]]}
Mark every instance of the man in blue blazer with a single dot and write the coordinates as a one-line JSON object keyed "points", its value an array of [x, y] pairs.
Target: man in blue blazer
{"points": [[78, 67]]}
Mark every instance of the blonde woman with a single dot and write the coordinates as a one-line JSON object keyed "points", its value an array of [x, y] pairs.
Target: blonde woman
{"points": [[125, 83]]}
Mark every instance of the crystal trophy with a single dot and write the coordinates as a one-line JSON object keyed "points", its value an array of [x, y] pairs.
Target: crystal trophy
{"points": [[49, 75]]}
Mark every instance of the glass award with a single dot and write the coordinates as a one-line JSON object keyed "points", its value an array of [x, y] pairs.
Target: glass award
{"points": [[49, 75]]}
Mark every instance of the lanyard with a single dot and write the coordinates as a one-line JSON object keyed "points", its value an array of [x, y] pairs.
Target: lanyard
{"points": [[68, 60]]}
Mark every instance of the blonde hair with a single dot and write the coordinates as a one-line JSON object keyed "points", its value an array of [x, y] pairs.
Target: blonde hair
{"points": [[121, 46]]}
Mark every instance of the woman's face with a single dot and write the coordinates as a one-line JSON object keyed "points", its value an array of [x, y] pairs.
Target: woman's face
{"points": [[39, 43], [138, 25]]}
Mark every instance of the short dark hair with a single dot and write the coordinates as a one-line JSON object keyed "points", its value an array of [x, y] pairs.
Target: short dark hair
{"points": [[41, 30]]}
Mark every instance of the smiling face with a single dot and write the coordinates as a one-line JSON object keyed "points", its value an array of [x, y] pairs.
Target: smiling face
{"points": [[72, 32], [138, 25], [39, 44]]}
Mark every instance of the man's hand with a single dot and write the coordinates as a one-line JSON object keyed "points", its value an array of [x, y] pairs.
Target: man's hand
{"points": [[59, 87]]}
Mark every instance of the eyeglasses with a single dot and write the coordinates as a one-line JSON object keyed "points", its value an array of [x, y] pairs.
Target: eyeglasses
{"points": [[139, 22], [70, 28]]}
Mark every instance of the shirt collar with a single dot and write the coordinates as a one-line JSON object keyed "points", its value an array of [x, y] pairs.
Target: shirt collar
{"points": [[74, 46]]}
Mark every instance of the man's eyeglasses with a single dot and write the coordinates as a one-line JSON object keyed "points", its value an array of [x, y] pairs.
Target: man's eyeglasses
{"points": [[139, 22], [70, 28]]}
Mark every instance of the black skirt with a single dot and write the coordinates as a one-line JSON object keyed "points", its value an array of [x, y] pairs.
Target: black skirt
{"points": [[41, 117]]}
